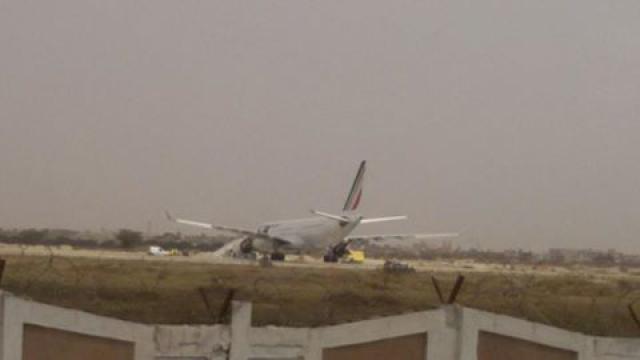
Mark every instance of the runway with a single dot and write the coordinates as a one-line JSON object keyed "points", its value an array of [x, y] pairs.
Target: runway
{"points": [[435, 266]]}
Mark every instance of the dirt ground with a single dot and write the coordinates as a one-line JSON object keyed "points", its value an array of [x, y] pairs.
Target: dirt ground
{"points": [[165, 290]]}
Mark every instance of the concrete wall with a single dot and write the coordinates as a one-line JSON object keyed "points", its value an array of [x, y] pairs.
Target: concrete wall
{"points": [[499, 347], [453, 332], [615, 349], [474, 322], [449, 333], [191, 342], [410, 347], [41, 343], [17, 313]]}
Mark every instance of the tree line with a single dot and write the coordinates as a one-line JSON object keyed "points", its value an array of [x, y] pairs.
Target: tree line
{"points": [[121, 239]]}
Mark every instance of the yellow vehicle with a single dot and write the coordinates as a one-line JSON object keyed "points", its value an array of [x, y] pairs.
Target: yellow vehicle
{"points": [[354, 257], [159, 251]]}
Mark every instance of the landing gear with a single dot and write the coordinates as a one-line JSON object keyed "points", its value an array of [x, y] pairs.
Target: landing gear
{"points": [[334, 253], [249, 256], [277, 257]]}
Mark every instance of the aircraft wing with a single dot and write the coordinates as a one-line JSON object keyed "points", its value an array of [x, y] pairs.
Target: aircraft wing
{"points": [[234, 230], [384, 237]]}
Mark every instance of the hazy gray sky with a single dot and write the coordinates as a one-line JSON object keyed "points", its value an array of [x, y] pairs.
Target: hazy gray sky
{"points": [[515, 122]]}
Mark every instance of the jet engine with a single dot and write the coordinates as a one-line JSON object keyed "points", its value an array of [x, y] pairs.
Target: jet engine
{"points": [[246, 245], [242, 249]]}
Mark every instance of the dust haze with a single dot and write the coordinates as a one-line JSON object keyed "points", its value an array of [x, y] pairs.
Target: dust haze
{"points": [[515, 123]]}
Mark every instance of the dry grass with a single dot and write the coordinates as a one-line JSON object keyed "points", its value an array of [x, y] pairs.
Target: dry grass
{"points": [[166, 292]]}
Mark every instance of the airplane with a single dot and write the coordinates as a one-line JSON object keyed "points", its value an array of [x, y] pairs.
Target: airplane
{"points": [[322, 231]]}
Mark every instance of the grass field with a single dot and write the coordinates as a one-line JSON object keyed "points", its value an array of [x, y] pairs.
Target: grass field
{"points": [[166, 292]]}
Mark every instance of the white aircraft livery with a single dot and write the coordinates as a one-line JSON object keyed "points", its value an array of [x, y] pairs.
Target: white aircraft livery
{"points": [[322, 231]]}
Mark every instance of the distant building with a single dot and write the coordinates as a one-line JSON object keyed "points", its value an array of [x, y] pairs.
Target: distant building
{"points": [[560, 255]]}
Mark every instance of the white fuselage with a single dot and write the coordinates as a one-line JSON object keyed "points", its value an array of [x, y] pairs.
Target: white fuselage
{"points": [[314, 233]]}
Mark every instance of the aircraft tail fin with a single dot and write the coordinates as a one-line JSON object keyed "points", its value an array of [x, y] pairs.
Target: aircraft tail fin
{"points": [[353, 199]]}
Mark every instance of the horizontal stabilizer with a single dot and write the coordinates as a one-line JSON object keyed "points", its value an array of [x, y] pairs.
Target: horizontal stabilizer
{"points": [[383, 219], [330, 216], [436, 236]]}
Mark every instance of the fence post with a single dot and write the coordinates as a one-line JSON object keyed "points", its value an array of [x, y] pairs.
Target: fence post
{"points": [[240, 329]]}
